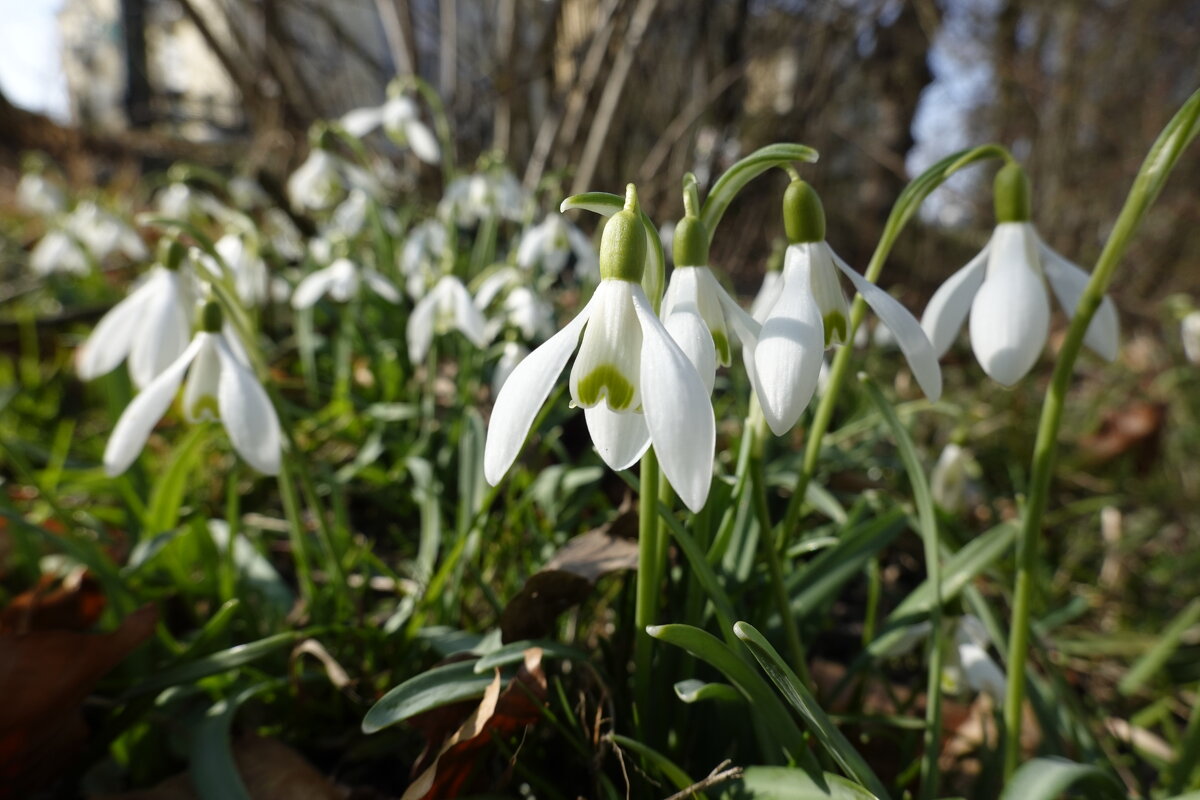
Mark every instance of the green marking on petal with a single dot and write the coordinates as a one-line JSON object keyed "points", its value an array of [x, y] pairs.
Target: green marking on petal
{"points": [[835, 328], [205, 407], [608, 382], [724, 354]]}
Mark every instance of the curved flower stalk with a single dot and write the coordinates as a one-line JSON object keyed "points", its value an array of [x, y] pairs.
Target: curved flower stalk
{"points": [[1003, 289], [694, 294], [812, 314], [400, 120], [552, 242], [496, 192], [342, 280], [151, 327], [448, 306], [637, 387], [219, 385]]}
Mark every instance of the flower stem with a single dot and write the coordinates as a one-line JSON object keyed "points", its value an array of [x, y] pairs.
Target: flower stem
{"points": [[1159, 163], [648, 578]]}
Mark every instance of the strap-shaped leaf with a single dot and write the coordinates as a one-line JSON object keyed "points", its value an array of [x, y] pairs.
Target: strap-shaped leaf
{"points": [[1048, 778]]}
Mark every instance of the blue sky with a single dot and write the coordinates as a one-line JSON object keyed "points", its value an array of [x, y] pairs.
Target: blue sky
{"points": [[31, 71]]}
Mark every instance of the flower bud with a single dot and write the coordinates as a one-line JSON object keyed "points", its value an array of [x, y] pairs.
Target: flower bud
{"points": [[690, 248], [623, 243], [1011, 194], [803, 214]]}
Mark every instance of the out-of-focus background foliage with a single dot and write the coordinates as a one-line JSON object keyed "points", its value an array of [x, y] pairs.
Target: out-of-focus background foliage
{"points": [[595, 93]]}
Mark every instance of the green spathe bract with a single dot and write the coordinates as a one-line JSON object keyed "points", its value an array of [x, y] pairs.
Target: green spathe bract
{"points": [[623, 244], [803, 214], [1011, 194]]}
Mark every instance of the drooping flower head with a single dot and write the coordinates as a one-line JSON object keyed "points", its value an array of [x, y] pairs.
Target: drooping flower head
{"points": [[1004, 291], [219, 386], [36, 193], [400, 120], [150, 327], [552, 242], [342, 281], [634, 383], [812, 313], [447, 306]]}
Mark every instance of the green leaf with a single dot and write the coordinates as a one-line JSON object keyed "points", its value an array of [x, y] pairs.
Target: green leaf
{"points": [[439, 686], [606, 204], [736, 177], [695, 691], [514, 653], [1048, 778], [821, 578], [221, 661], [708, 648], [798, 696], [213, 770], [1163, 649], [668, 768], [162, 511], [788, 783]]}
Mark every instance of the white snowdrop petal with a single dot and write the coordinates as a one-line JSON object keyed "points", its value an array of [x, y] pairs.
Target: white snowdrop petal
{"points": [[523, 395], [533, 244], [1010, 316], [608, 367], [678, 411], [144, 411], [164, 331], [768, 293], [362, 121], [313, 287], [747, 330], [419, 330], [621, 438], [982, 674], [467, 318], [381, 285], [113, 336], [1189, 333], [422, 141], [200, 389], [694, 339], [827, 291], [904, 326], [950, 304], [1068, 282], [247, 413], [791, 348]]}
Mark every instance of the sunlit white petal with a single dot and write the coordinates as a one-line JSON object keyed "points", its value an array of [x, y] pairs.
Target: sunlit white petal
{"points": [[694, 339], [1068, 282], [200, 389], [950, 304], [247, 414], [113, 336], [1010, 316], [620, 437], [609, 361], [164, 330]]}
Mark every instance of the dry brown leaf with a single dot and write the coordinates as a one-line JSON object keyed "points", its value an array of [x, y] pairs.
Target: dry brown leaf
{"points": [[568, 577], [1132, 428], [44, 677], [73, 603], [270, 770]]}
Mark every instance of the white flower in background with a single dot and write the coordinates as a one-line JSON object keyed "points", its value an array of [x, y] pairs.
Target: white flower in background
{"points": [[38, 194], [180, 201], [1004, 291], [350, 216], [512, 355], [103, 233], [58, 251], [342, 280], [637, 387], [247, 194], [694, 295], [970, 661], [951, 478], [247, 267], [282, 234], [219, 386], [448, 306], [151, 327], [522, 307], [422, 255], [401, 121], [494, 193], [551, 242], [323, 178], [812, 313], [1189, 331]]}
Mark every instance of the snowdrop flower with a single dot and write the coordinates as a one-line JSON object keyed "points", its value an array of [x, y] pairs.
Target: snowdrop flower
{"points": [[694, 295], [39, 195], [494, 193], [512, 355], [350, 216], [551, 242], [102, 233], [247, 194], [58, 251], [150, 327], [1190, 333], [1004, 291], [342, 280], [180, 201], [970, 660], [319, 182], [219, 386], [950, 478], [447, 306], [521, 307], [423, 251], [772, 284], [282, 234], [635, 384], [401, 121], [247, 267], [812, 313]]}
